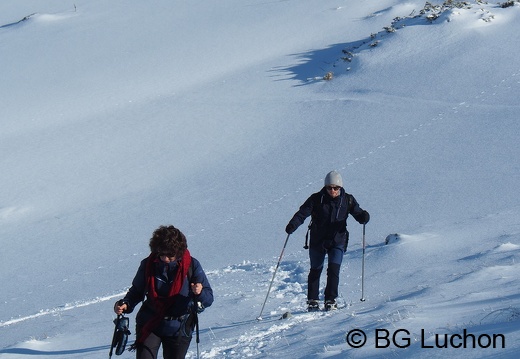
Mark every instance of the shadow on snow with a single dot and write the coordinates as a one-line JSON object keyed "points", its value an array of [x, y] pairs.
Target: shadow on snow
{"points": [[26, 351]]}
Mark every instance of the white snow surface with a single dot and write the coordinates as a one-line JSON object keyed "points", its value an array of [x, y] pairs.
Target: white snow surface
{"points": [[214, 116]]}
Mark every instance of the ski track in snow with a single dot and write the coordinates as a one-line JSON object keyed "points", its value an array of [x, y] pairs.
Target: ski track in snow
{"points": [[260, 337], [63, 308], [287, 295]]}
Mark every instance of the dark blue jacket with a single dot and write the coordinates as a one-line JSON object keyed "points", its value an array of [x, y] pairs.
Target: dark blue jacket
{"points": [[164, 274], [329, 218]]}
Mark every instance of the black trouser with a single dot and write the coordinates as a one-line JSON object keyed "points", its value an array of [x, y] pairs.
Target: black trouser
{"points": [[317, 258], [174, 347]]}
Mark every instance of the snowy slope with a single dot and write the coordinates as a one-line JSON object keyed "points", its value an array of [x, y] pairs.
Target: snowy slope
{"points": [[214, 116]]}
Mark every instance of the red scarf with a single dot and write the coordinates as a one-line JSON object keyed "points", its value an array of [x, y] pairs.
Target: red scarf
{"points": [[161, 304]]}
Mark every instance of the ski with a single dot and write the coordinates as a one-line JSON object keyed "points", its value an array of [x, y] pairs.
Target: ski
{"points": [[321, 311]]}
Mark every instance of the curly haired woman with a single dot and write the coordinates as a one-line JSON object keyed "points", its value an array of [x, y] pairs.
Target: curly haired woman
{"points": [[172, 286]]}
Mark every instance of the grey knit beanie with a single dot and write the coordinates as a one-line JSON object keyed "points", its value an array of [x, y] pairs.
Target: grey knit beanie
{"points": [[333, 178]]}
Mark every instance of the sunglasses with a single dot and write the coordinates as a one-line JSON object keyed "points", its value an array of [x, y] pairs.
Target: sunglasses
{"points": [[333, 188]]}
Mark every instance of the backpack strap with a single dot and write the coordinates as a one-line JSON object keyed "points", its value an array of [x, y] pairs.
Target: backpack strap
{"points": [[306, 246], [349, 202]]}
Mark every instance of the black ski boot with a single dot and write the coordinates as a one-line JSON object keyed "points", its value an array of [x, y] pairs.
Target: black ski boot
{"points": [[331, 305], [313, 305]]}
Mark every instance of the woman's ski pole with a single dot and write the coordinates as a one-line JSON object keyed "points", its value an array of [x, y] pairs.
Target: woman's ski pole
{"points": [[269, 290], [363, 268]]}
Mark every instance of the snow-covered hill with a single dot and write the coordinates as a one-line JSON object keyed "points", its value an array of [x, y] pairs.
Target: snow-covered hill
{"points": [[217, 117]]}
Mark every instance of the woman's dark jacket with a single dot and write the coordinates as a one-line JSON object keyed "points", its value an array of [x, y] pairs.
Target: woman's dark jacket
{"points": [[328, 226], [183, 304]]}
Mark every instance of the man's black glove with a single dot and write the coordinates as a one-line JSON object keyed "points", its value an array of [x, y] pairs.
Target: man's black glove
{"points": [[290, 228], [366, 217]]}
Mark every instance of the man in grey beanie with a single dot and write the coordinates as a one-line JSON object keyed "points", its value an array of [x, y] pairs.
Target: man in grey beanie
{"points": [[329, 209]]}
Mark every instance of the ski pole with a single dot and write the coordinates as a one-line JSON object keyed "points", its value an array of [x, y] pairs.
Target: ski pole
{"points": [[196, 317], [363, 268], [269, 290], [198, 338]]}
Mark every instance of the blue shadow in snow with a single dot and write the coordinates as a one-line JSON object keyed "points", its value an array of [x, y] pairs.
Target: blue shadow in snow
{"points": [[25, 351], [314, 63], [340, 58], [17, 22]]}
